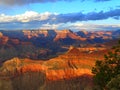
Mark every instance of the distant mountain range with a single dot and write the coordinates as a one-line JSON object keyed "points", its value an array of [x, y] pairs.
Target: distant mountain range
{"points": [[62, 36], [42, 44]]}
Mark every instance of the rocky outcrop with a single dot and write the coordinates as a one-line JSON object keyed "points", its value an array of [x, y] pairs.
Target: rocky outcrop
{"points": [[62, 34], [1, 34], [67, 66], [56, 35], [39, 33], [68, 70], [67, 34]]}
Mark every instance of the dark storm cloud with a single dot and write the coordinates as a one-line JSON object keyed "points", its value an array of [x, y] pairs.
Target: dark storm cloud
{"points": [[73, 17], [24, 2]]}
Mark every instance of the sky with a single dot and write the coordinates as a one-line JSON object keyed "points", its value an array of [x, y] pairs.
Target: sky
{"points": [[60, 14]]}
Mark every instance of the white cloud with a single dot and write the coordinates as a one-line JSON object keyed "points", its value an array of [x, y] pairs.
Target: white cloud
{"points": [[45, 16], [51, 26], [6, 18], [47, 20], [26, 17], [90, 26], [78, 24]]}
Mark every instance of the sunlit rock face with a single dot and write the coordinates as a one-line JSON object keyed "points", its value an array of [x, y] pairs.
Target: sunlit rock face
{"points": [[1, 34], [57, 35], [67, 35], [39, 33], [18, 74], [68, 71]]}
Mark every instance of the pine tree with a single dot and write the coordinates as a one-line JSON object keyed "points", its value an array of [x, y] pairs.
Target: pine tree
{"points": [[105, 70]]}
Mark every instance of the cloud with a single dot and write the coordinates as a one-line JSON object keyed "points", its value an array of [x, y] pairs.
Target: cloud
{"points": [[24, 2], [73, 17], [73, 26], [51, 26], [28, 16], [31, 19], [53, 18], [90, 27]]}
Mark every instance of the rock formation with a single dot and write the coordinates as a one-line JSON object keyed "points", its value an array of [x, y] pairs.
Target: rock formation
{"points": [[68, 70]]}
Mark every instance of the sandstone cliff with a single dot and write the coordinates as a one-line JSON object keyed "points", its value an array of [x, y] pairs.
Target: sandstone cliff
{"points": [[71, 70]]}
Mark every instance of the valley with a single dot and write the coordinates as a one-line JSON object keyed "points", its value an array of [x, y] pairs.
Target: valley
{"points": [[51, 59], [45, 44], [59, 44]]}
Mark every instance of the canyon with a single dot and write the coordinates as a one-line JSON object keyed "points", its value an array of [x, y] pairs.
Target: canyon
{"points": [[46, 44], [52, 59], [71, 70]]}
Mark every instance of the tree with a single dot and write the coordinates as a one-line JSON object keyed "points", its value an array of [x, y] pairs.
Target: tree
{"points": [[114, 84], [105, 70]]}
